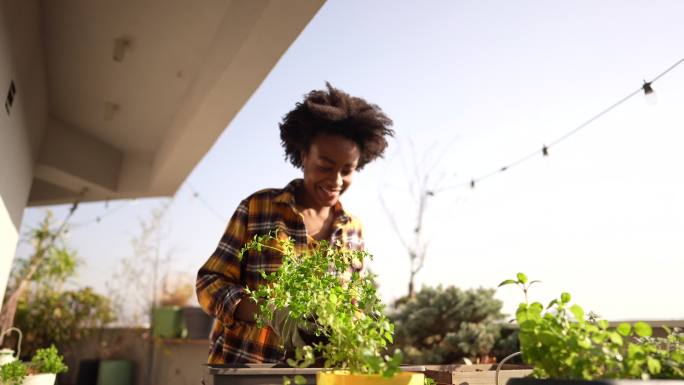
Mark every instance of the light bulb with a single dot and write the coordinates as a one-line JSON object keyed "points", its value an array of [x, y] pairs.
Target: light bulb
{"points": [[650, 95]]}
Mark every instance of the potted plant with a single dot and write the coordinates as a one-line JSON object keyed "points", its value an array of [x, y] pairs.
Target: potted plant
{"points": [[42, 370], [167, 318], [564, 343], [177, 289], [13, 373], [323, 286]]}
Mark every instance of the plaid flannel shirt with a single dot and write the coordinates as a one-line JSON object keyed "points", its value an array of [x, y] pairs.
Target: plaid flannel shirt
{"points": [[222, 279]]}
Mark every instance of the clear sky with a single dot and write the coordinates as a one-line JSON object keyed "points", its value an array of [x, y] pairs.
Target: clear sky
{"points": [[484, 82]]}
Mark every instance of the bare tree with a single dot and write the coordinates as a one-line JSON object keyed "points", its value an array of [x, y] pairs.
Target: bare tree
{"points": [[423, 182], [135, 284]]}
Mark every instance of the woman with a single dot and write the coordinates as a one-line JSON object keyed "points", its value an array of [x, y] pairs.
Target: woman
{"points": [[329, 135]]}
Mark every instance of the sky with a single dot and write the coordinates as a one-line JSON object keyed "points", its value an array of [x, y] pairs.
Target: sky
{"points": [[477, 85]]}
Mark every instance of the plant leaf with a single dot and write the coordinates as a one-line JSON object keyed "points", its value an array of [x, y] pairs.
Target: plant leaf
{"points": [[566, 297], [522, 278], [615, 338], [578, 312], [624, 329], [507, 282], [653, 365], [642, 329]]}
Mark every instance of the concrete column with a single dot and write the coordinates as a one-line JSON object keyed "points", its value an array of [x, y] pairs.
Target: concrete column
{"points": [[22, 120]]}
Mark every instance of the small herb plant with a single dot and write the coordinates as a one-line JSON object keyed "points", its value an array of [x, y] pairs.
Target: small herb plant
{"points": [[322, 285], [48, 360], [13, 373], [562, 342]]}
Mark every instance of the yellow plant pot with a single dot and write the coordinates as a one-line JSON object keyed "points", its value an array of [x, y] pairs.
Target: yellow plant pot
{"points": [[339, 377]]}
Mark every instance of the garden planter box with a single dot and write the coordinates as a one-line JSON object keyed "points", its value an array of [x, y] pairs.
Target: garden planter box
{"points": [[177, 322], [268, 375], [475, 374], [167, 322], [534, 381], [196, 322]]}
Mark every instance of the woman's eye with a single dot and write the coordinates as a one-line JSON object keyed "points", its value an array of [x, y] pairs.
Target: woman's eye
{"points": [[324, 169]]}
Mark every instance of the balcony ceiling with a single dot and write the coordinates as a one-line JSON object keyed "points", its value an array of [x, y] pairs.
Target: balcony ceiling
{"points": [[138, 91]]}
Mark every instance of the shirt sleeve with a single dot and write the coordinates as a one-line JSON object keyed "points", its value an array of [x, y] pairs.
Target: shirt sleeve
{"points": [[218, 285]]}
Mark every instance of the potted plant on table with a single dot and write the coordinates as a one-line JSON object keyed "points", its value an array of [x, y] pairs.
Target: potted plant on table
{"points": [[323, 286], [42, 370], [564, 343]]}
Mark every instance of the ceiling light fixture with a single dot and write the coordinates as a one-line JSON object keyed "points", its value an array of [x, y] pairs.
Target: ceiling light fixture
{"points": [[121, 45]]}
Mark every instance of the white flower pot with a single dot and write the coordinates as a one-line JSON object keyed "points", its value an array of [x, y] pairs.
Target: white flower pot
{"points": [[40, 379]]}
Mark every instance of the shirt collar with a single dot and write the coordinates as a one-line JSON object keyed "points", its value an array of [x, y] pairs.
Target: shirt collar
{"points": [[287, 195]]}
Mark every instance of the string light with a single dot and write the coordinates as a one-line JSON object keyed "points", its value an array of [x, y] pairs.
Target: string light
{"points": [[646, 88], [650, 95]]}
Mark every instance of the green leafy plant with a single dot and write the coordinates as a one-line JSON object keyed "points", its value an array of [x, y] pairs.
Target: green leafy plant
{"points": [[40, 305], [442, 325], [319, 285], [48, 360], [61, 317], [13, 373], [563, 342]]}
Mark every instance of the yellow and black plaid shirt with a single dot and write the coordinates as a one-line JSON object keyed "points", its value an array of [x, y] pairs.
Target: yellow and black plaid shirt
{"points": [[222, 279]]}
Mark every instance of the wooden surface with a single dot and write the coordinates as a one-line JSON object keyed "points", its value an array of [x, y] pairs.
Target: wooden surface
{"points": [[475, 374]]}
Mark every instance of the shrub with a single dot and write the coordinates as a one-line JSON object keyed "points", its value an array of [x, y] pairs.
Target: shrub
{"points": [[443, 325]]}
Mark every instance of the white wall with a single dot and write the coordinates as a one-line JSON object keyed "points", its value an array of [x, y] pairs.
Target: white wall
{"points": [[21, 61]]}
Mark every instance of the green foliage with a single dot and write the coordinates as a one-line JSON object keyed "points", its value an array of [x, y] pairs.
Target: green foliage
{"points": [[49, 316], [507, 344], [442, 325], [562, 342], [319, 285], [45, 312], [48, 360], [13, 373]]}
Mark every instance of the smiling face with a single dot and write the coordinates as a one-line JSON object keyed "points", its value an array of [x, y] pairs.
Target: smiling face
{"points": [[328, 166]]}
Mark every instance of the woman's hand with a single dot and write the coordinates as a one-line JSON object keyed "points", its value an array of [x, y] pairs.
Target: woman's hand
{"points": [[246, 310]]}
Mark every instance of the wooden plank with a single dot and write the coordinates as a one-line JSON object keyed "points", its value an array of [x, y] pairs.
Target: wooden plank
{"points": [[473, 374], [488, 377]]}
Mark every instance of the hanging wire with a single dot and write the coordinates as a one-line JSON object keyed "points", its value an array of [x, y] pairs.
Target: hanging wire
{"points": [[111, 210], [206, 204], [100, 217], [545, 149]]}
